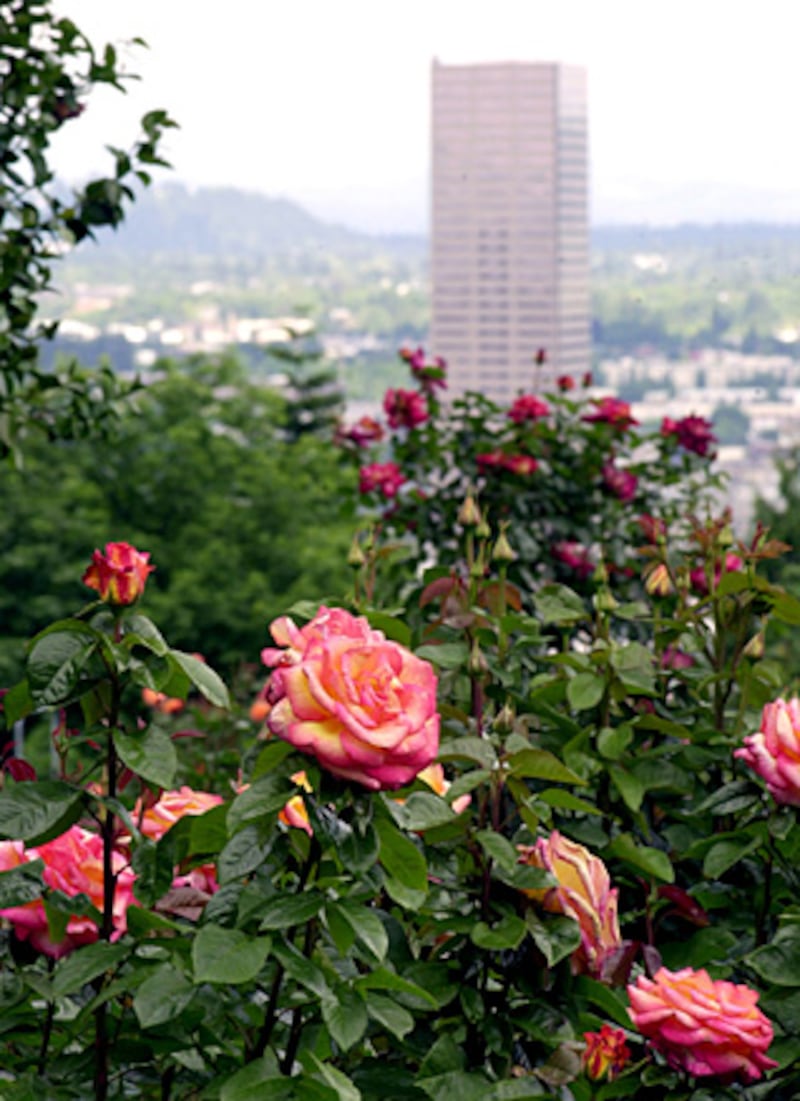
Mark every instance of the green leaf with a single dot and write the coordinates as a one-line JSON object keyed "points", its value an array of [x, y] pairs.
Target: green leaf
{"points": [[227, 955], [498, 848], [162, 997], [652, 861], [724, 854], [85, 964], [300, 969], [18, 702], [423, 810], [38, 811], [22, 884], [388, 1013], [142, 631], [565, 800], [603, 997], [365, 925], [585, 691], [332, 1076], [779, 962], [345, 1015], [509, 932], [266, 795], [556, 937], [447, 655], [633, 664], [470, 749], [613, 741], [242, 855], [287, 910], [629, 787], [456, 1084], [395, 629], [401, 858], [56, 661], [560, 605], [384, 979], [151, 755], [203, 678], [540, 764]]}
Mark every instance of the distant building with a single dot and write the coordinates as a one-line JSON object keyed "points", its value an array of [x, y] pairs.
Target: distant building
{"points": [[509, 224]]}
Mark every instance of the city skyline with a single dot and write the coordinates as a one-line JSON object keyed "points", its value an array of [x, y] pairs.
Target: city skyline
{"points": [[691, 106], [509, 233]]}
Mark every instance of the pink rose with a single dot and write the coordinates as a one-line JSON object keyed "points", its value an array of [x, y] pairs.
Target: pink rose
{"points": [[434, 777], [575, 557], [385, 478], [774, 751], [702, 1026], [584, 892], [365, 431], [73, 864], [692, 433], [162, 815], [405, 408], [528, 408], [522, 465], [364, 706], [611, 411], [429, 375], [294, 812], [699, 580], [620, 482], [120, 574]]}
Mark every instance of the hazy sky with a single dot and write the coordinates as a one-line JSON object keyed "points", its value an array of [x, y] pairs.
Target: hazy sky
{"points": [[693, 104]]}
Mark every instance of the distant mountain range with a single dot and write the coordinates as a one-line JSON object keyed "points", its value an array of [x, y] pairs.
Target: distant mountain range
{"points": [[173, 219]]}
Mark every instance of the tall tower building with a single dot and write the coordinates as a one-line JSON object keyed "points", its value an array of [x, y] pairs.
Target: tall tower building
{"points": [[510, 225]]}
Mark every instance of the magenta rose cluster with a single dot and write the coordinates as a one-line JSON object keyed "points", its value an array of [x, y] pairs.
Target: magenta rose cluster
{"points": [[363, 705]]}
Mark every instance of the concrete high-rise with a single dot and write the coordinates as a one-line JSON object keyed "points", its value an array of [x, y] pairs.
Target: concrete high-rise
{"points": [[509, 224]]}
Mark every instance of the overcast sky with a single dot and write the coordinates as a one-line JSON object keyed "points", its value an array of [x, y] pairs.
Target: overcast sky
{"points": [[693, 104]]}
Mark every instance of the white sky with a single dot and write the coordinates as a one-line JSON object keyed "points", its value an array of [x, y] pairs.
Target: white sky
{"points": [[693, 104]]}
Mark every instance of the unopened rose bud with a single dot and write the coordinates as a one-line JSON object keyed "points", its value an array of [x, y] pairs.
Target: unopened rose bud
{"points": [[658, 581], [502, 550], [605, 601], [504, 722], [355, 556], [477, 663], [469, 515], [483, 531]]}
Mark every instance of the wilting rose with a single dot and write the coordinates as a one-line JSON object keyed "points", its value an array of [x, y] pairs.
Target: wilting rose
{"points": [[606, 1053], [173, 805], [365, 431], [73, 864], [575, 557], [620, 482], [611, 411], [363, 705], [294, 812], [702, 1026], [167, 705], [733, 564], [584, 892], [434, 777], [527, 407], [120, 574], [405, 408], [774, 750], [692, 433], [385, 478]]}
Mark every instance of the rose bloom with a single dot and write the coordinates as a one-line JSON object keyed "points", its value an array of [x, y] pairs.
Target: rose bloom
{"points": [[584, 892], [405, 408], [702, 1026], [692, 433], [606, 1053], [620, 482], [733, 564], [490, 460], [364, 706], [429, 375], [565, 383], [575, 557], [167, 705], [156, 820], [520, 464], [676, 659], [528, 408], [73, 864], [385, 478], [120, 574], [773, 752], [611, 411], [365, 431]]}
